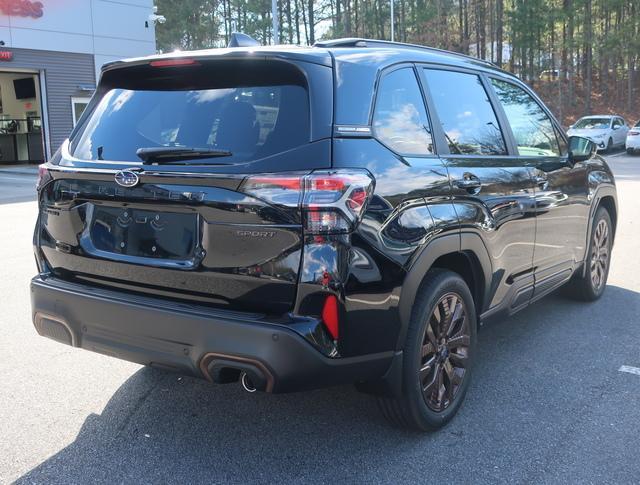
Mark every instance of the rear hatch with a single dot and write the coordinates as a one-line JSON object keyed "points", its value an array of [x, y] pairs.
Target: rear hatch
{"points": [[156, 190]]}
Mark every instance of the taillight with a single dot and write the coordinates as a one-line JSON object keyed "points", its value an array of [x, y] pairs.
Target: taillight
{"points": [[633, 133], [44, 176], [331, 201]]}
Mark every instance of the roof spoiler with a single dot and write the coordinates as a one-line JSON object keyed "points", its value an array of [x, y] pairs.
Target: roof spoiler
{"points": [[238, 39]]}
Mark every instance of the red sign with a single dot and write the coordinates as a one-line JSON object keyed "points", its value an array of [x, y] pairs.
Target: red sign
{"points": [[6, 55], [22, 8]]}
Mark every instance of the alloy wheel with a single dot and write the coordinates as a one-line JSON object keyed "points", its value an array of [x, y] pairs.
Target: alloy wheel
{"points": [[445, 352], [599, 255]]}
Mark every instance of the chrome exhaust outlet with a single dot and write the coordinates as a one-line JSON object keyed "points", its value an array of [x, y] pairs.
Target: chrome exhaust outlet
{"points": [[247, 383], [222, 369]]}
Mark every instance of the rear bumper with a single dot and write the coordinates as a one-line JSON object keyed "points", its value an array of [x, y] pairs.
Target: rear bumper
{"points": [[633, 142], [191, 339]]}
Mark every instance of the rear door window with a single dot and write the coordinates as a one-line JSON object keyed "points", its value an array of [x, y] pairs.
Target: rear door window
{"points": [[250, 122], [532, 128], [467, 117]]}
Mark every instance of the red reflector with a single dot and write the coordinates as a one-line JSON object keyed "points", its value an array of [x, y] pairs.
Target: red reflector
{"points": [[330, 315], [173, 62]]}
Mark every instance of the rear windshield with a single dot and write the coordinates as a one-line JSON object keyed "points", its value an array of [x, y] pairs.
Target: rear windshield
{"points": [[593, 123], [251, 122]]}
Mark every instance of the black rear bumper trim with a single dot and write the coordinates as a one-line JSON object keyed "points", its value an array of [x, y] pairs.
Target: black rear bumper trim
{"points": [[151, 331]]}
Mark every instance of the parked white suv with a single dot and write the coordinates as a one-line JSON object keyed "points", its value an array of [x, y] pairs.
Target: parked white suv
{"points": [[633, 139], [606, 131]]}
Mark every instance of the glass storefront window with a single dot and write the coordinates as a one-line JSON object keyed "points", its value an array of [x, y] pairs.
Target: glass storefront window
{"points": [[21, 130], [78, 105]]}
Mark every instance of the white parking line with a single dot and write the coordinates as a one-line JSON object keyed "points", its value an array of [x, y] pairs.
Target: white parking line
{"points": [[630, 370], [618, 154]]}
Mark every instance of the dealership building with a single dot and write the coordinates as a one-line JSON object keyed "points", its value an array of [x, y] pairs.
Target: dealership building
{"points": [[51, 52]]}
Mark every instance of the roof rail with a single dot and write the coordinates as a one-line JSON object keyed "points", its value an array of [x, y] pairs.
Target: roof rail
{"points": [[346, 42], [238, 39], [357, 42]]}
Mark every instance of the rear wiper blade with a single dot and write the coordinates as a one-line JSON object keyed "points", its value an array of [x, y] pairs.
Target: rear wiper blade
{"points": [[174, 154]]}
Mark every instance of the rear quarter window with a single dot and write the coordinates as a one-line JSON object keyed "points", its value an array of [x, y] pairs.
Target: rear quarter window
{"points": [[400, 118]]}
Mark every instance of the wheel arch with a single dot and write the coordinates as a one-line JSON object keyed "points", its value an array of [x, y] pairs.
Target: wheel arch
{"points": [[609, 203], [604, 196], [464, 254]]}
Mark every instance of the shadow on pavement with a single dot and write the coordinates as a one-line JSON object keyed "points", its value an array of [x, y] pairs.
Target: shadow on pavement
{"points": [[162, 427]]}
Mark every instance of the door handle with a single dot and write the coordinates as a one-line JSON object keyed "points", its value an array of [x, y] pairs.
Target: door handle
{"points": [[469, 182]]}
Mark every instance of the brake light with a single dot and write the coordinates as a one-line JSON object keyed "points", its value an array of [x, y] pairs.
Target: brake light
{"points": [[326, 183], [331, 201], [44, 176], [330, 316], [276, 182], [174, 62]]}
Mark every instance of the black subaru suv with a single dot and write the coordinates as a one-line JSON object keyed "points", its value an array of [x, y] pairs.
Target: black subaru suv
{"points": [[293, 218]]}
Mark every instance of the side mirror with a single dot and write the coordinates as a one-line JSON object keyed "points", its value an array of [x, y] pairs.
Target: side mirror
{"points": [[581, 149], [616, 127]]}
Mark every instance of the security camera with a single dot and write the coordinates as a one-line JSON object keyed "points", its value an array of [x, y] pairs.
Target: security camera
{"points": [[157, 19]]}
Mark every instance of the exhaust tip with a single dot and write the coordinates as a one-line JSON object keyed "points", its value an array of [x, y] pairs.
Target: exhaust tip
{"points": [[247, 383], [252, 374], [54, 328]]}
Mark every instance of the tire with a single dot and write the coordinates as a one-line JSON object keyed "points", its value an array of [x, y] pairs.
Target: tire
{"points": [[609, 148], [427, 403], [591, 285]]}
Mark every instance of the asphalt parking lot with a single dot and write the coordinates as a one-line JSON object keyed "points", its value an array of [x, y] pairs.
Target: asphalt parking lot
{"points": [[548, 403]]}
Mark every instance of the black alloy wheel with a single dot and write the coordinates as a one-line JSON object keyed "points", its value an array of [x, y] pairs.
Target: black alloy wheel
{"points": [[600, 248], [589, 283], [438, 355], [445, 351]]}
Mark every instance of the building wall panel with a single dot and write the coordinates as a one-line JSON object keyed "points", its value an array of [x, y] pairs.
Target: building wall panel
{"points": [[64, 73]]}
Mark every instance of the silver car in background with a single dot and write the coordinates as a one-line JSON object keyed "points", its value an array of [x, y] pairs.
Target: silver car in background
{"points": [[633, 139], [606, 131]]}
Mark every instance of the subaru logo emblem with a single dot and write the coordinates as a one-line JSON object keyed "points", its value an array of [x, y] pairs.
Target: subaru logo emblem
{"points": [[127, 178]]}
